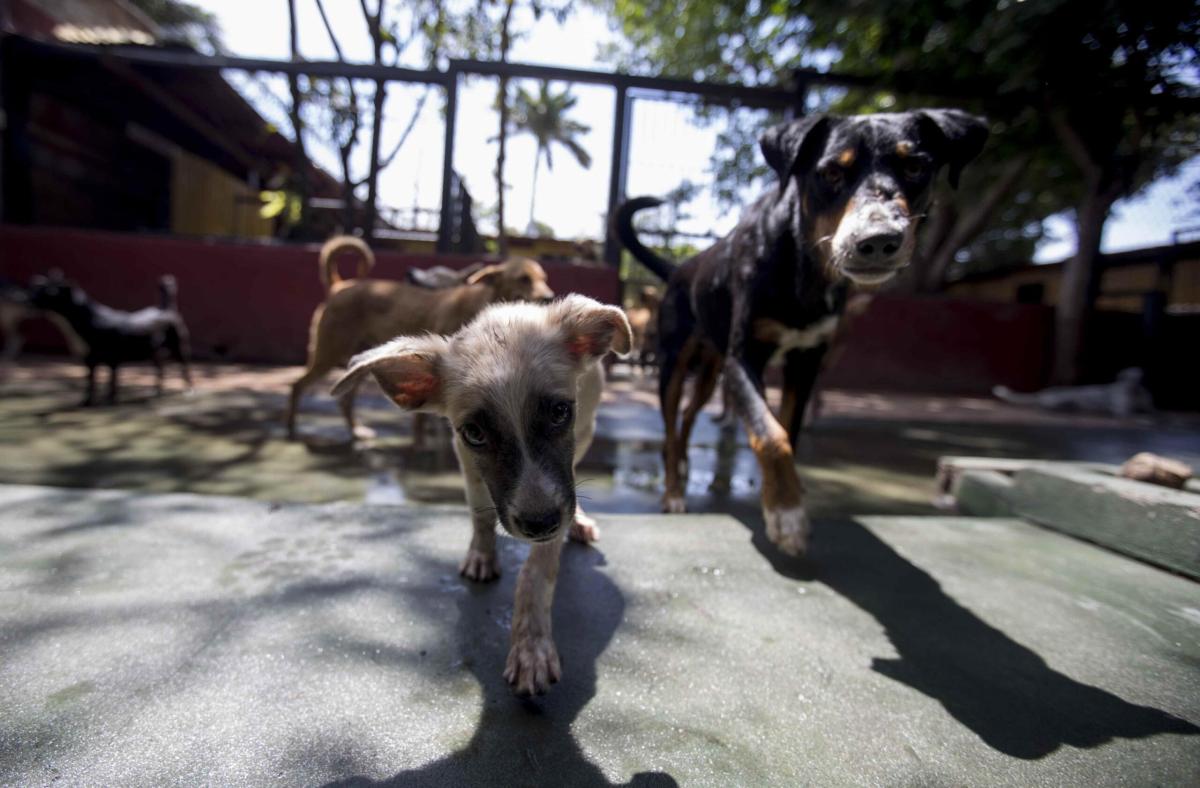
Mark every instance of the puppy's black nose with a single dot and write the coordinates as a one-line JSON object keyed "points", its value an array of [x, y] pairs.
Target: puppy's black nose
{"points": [[539, 524], [880, 248]]}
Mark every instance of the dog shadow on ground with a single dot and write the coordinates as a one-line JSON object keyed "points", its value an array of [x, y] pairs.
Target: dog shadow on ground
{"points": [[529, 742], [1001, 690]]}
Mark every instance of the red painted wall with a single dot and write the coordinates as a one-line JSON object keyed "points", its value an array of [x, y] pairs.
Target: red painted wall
{"points": [[242, 301], [253, 302], [944, 345]]}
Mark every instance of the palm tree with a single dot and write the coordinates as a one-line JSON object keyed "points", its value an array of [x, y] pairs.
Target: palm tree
{"points": [[545, 117]]}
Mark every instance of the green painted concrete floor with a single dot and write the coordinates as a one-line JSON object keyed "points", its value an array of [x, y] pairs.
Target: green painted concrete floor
{"points": [[181, 639], [200, 640]]}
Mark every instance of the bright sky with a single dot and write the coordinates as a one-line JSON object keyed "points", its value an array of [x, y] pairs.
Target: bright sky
{"points": [[667, 146]]}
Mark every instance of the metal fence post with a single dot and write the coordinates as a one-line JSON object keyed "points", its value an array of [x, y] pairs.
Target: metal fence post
{"points": [[446, 223], [618, 172]]}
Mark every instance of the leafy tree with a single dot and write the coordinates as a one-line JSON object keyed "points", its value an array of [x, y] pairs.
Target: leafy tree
{"points": [[184, 22], [488, 29], [1091, 100], [544, 116]]}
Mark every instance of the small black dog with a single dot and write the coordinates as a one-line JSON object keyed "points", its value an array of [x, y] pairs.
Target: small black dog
{"points": [[114, 337], [851, 192]]}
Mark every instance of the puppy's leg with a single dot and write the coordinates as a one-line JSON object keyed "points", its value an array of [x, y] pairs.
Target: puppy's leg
{"points": [[782, 494], [480, 562], [587, 399], [533, 664], [346, 403]]}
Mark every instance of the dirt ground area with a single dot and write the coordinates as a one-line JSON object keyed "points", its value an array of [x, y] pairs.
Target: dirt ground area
{"points": [[867, 453]]}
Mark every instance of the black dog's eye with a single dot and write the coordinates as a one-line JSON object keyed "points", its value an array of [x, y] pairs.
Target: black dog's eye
{"points": [[914, 169], [833, 175], [560, 414], [473, 434]]}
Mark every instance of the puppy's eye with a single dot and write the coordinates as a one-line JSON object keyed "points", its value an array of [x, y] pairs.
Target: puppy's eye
{"points": [[560, 414], [914, 169], [526, 279], [473, 434], [833, 175]]}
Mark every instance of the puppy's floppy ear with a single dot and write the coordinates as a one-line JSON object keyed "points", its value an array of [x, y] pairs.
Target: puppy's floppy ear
{"points": [[590, 329], [408, 370], [958, 137], [783, 145], [486, 274]]}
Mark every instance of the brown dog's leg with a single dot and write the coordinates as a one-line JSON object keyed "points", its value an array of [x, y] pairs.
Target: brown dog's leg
{"points": [[346, 404], [532, 664], [310, 376], [674, 451], [782, 494]]}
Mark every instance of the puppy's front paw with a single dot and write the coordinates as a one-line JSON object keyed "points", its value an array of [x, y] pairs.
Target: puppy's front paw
{"points": [[788, 529], [479, 566], [532, 666], [583, 528], [363, 433], [673, 504]]}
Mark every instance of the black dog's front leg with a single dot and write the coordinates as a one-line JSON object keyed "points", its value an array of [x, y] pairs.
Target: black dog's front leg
{"points": [[782, 494], [800, 371], [112, 384]]}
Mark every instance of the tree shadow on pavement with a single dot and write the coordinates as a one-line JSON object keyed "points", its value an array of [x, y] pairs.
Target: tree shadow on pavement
{"points": [[529, 742]]}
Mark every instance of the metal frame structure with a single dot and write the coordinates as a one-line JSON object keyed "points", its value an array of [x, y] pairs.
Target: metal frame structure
{"points": [[789, 99]]}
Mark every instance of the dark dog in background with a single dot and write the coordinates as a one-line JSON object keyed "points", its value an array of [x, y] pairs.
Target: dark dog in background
{"points": [[16, 306], [114, 337], [850, 196]]}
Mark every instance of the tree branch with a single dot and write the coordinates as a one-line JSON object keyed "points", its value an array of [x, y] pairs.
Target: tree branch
{"points": [[412, 122], [1074, 145]]}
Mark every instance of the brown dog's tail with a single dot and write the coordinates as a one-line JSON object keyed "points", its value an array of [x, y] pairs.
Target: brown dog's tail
{"points": [[335, 246], [622, 222], [168, 293]]}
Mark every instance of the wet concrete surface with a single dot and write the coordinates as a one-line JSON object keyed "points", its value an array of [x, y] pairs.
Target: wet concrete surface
{"points": [[867, 453], [185, 640]]}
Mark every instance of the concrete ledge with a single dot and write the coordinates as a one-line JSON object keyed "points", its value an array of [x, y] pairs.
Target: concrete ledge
{"points": [[984, 494], [1153, 523]]}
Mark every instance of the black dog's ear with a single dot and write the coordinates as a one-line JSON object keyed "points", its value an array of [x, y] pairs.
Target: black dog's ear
{"points": [[783, 144], [959, 135]]}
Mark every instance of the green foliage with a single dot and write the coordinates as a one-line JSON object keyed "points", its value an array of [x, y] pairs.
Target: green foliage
{"points": [[1122, 75], [184, 22], [544, 116]]}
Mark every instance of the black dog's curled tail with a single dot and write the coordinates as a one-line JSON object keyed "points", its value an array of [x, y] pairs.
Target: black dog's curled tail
{"points": [[167, 292], [622, 222]]}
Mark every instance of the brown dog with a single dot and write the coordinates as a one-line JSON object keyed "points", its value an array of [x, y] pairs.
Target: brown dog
{"points": [[362, 313]]}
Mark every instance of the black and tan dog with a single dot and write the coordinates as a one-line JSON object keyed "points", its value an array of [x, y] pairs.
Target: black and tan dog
{"points": [[113, 336], [850, 196]]}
